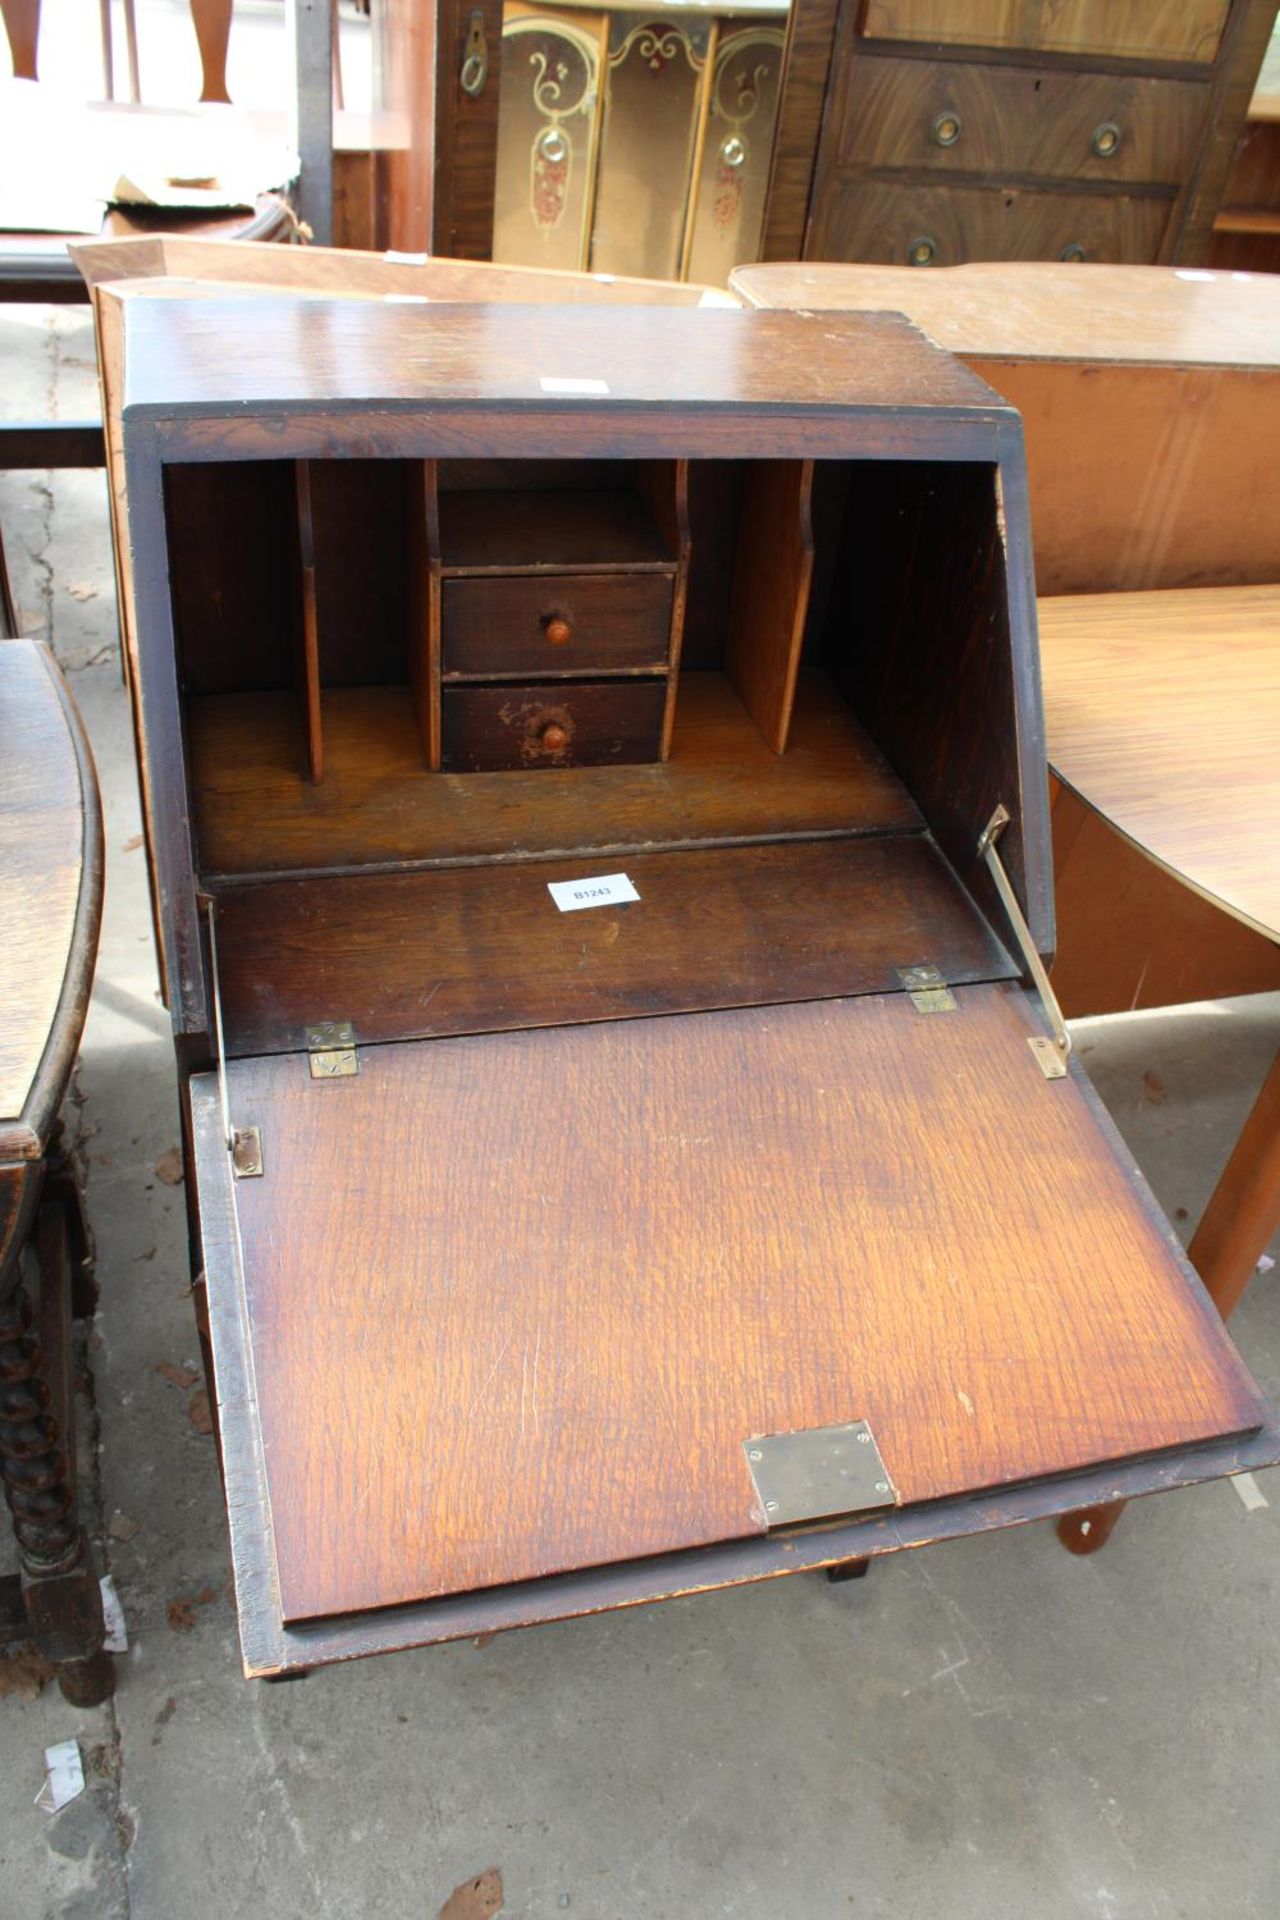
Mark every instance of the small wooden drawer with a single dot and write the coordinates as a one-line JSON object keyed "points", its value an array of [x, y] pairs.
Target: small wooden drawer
{"points": [[951, 117], [556, 623], [944, 225], [582, 723]]}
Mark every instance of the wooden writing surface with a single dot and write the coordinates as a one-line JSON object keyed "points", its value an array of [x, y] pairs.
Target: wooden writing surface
{"points": [[515, 1302]]}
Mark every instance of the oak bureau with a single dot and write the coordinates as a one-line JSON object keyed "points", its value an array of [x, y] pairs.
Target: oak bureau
{"points": [[597, 806]]}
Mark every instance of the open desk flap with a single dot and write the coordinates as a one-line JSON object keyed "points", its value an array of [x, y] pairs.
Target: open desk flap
{"points": [[518, 1304]]}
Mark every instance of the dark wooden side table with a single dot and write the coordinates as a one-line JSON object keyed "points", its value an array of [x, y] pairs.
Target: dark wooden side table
{"points": [[50, 908]]}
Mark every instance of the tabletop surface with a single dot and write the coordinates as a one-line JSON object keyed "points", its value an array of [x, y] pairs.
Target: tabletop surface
{"points": [[1049, 310], [1163, 715], [50, 869]]}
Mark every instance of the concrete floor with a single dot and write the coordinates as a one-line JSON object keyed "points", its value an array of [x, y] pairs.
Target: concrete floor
{"points": [[989, 1728]]}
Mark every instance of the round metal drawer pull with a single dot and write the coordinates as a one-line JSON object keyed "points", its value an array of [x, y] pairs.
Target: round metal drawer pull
{"points": [[922, 251], [945, 130], [1106, 140], [733, 150], [1073, 252], [558, 630]]}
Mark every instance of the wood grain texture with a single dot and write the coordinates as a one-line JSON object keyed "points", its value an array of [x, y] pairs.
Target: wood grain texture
{"points": [[773, 573], [270, 1647], [1047, 310], [811, 31], [1240, 1220], [739, 1224], [1016, 122], [185, 267], [50, 892], [1133, 29], [880, 221], [1145, 473], [501, 625], [1243, 49], [1131, 936], [1163, 711], [482, 949], [377, 804], [361, 357]]}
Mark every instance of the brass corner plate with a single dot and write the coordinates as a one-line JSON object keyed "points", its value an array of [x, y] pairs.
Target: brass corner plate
{"points": [[331, 1050], [819, 1474]]}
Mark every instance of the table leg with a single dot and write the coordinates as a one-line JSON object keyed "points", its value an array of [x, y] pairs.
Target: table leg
{"points": [[212, 22], [1234, 1232], [57, 1600], [22, 24]]}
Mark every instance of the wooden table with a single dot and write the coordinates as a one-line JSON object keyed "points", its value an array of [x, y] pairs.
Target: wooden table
{"points": [[50, 905], [1163, 717]]}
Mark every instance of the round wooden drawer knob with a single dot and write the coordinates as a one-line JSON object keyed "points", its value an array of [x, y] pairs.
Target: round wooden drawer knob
{"points": [[553, 737], [558, 631]]}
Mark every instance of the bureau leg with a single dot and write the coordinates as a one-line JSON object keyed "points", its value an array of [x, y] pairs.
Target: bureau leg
{"points": [[58, 1585], [1234, 1232]]}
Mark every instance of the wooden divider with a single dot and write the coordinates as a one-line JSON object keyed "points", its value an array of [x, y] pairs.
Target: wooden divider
{"points": [[309, 631], [772, 578]]}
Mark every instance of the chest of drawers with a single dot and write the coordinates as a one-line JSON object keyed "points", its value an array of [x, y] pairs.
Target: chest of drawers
{"points": [[1025, 131]]}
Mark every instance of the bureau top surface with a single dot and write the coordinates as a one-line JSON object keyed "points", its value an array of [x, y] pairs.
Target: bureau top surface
{"points": [[224, 355], [1048, 310]]}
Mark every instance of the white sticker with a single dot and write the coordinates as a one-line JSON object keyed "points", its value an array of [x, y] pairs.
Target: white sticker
{"points": [[117, 1637], [63, 1776], [407, 299], [405, 259], [605, 890], [1193, 273], [550, 384], [1252, 1498]]}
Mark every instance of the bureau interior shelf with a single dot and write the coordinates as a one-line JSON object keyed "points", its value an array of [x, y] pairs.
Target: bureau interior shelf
{"points": [[485, 531], [377, 806]]}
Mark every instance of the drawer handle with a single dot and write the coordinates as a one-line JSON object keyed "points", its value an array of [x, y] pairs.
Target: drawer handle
{"points": [[922, 251], [558, 630], [945, 130], [1073, 251], [1106, 139], [553, 738]]}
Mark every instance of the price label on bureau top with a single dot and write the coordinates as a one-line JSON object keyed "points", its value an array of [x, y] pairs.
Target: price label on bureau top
{"points": [[602, 890]]}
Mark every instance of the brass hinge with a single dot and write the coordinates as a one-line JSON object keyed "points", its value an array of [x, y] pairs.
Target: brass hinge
{"points": [[928, 989], [331, 1050], [1051, 1055]]}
